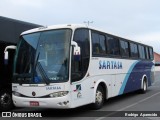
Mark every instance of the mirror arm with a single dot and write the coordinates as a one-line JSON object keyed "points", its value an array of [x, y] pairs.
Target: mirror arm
{"points": [[10, 47], [73, 43], [6, 53]]}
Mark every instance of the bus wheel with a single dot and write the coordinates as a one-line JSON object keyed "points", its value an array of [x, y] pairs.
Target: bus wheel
{"points": [[144, 88], [5, 100], [99, 98]]}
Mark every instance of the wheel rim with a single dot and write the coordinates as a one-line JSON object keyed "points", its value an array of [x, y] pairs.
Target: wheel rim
{"points": [[5, 99], [99, 97]]}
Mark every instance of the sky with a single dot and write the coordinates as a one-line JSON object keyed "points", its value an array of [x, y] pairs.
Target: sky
{"points": [[137, 20]]}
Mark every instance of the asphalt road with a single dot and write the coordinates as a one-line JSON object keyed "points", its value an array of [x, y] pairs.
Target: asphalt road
{"points": [[127, 104]]}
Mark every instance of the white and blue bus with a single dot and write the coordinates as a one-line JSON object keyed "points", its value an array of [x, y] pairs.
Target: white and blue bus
{"points": [[67, 66]]}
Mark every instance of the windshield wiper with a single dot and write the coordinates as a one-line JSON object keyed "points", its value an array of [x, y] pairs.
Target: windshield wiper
{"points": [[43, 73]]}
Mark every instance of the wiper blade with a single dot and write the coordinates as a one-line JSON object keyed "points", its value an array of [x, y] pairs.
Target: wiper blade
{"points": [[43, 73], [36, 61]]}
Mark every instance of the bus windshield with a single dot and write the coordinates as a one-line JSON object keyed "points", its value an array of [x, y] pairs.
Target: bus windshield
{"points": [[43, 57]]}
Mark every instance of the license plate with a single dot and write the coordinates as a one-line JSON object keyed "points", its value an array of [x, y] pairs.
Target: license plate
{"points": [[34, 103]]}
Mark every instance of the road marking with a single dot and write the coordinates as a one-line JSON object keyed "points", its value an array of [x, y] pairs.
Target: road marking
{"points": [[100, 118]]}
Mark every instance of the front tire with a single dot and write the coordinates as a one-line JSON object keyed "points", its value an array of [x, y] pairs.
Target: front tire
{"points": [[99, 98], [5, 100]]}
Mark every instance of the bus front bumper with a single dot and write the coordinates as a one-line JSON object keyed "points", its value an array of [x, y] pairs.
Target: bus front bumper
{"points": [[59, 102]]}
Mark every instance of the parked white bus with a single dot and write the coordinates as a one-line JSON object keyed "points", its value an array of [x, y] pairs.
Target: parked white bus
{"points": [[67, 66]]}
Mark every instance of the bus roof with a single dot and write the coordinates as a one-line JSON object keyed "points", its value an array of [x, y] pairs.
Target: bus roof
{"points": [[73, 26]]}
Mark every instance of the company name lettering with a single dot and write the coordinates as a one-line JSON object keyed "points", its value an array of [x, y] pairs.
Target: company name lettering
{"points": [[53, 88], [110, 64]]}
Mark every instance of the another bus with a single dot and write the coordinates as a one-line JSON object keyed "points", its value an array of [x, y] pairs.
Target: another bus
{"points": [[10, 29], [67, 66]]}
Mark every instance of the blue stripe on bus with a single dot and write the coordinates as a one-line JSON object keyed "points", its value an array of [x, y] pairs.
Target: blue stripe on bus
{"points": [[135, 77], [126, 78]]}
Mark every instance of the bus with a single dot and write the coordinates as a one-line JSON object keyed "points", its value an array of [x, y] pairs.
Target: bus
{"points": [[10, 29], [67, 66]]}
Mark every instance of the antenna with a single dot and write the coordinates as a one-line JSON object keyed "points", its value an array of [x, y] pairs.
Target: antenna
{"points": [[88, 23]]}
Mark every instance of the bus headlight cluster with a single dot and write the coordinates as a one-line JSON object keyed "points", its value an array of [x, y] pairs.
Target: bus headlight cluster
{"points": [[16, 94], [58, 94]]}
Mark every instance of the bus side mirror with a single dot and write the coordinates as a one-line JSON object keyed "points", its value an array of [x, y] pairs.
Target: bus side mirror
{"points": [[6, 57], [76, 51], [6, 53]]}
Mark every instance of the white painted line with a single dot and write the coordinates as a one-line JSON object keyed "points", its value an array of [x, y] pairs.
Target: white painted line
{"points": [[100, 118]]}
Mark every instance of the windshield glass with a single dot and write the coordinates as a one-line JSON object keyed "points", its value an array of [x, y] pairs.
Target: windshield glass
{"points": [[43, 57]]}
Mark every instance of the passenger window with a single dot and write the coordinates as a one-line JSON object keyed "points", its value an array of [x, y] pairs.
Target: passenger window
{"points": [[95, 43], [124, 48], [141, 52], [98, 44], [147, 54], [133, 50], [102, 44], [151, 53], [113, 45]]}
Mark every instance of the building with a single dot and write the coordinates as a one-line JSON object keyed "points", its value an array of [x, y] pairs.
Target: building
{"points": [[157, 57], [10, 29]]}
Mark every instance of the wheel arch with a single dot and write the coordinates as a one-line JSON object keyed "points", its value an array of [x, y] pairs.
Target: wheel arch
{"points": [[104, 86]]}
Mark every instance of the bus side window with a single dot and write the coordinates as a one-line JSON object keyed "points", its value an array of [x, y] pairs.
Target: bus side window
{"points": [[95, 43], [147, 54], [98, 43], [141, 52], [79, 68], [113, 46], [124, 48], [133, 50], [151, 53]]}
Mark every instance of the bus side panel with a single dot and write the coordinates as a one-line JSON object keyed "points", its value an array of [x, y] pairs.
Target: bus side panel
{"points": [[114, 71], [83, 92], [134, 81]]}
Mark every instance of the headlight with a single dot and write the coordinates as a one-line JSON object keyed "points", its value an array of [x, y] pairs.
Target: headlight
{"points": [[16, 94], [58, 94]]}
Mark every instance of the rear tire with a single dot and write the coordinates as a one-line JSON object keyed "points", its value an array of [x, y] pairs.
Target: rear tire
{"points": [[99, 98], [144, 88], [6, 102]]}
